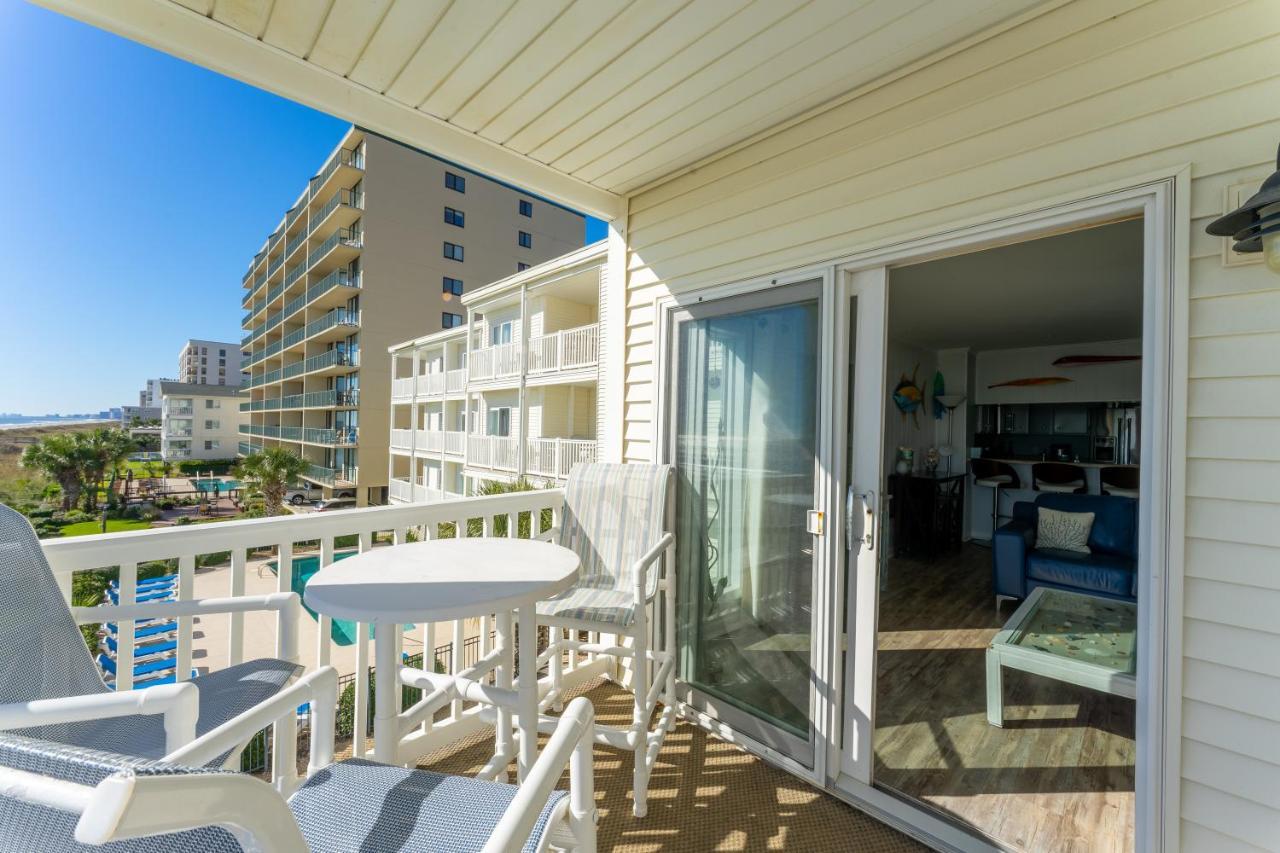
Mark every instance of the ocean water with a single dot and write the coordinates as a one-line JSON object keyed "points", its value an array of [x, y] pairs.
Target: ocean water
{"points": [[11, 421]]}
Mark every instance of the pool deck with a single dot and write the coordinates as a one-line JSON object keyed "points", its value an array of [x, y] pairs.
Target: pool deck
{"points": [[209, 645]]}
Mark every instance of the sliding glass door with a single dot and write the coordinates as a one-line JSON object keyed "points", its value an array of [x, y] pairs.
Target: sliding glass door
{"points": [[744, 434]]}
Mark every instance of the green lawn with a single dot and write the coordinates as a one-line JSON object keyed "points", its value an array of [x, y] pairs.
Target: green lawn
{"points": [[114, 525]]}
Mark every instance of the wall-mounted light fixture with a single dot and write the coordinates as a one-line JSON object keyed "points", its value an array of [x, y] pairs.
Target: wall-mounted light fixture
{"points": [[1255, 225]]}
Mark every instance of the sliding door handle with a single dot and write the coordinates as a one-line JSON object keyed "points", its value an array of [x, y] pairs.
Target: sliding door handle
{"points": [[868, 499], [869, 519]]}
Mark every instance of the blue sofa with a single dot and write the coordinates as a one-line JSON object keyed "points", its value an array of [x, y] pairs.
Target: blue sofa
{"points": [[1109, 571]]}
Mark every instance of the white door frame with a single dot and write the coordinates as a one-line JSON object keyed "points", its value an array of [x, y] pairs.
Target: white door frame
{"points": [[1163, 199]]}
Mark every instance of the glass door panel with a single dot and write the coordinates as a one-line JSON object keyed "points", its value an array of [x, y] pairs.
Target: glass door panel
{"points": [[745, 449]]}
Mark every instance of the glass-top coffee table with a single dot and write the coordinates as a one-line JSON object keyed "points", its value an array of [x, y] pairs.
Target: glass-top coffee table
{"points": [[1067, 636]]}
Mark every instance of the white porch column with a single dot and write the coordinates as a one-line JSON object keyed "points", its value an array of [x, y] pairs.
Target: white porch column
{"points": [[613, 343]]}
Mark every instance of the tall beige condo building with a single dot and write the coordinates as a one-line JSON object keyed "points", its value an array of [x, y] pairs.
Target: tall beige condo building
{"points": [[381, 243]]}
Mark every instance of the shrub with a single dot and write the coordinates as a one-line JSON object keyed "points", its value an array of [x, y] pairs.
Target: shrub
{"points": [[182, 519], [77, 516], [39, 512]]}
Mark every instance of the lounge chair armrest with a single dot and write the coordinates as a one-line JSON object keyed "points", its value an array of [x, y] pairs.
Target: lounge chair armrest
{"points": [[178, 703], [318, 687], [570, 744], [640, 569], [287, 604]]}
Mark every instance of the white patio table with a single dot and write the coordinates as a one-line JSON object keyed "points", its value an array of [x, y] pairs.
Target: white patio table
{"points": [[442, 580]]}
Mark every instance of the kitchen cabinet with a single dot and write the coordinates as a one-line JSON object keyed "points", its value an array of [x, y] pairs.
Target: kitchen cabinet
{"points": [[1040, 421], [1070, 420], [1014, 420]]}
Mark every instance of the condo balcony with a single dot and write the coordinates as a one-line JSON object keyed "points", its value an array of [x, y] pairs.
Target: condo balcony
{"points": [[403, 491], [342, 169], [331, 476], [334, 289], [334, 325], [565, 350], [555, 457], [494, 363], [341, 210], [338, 250], [344, 437], [498, 453]]}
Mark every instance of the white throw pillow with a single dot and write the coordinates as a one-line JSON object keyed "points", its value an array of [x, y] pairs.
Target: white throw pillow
{"points": [[1063, 531]]}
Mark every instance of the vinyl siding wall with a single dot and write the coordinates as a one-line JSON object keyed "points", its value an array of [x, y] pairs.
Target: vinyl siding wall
{"points": [[1090, 93]]}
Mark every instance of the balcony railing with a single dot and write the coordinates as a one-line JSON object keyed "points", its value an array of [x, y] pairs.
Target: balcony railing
{"points": [[336, 317], [250, 542], [568, 349], [402, 389], [320, 474], [498, 362], [428, 441], [291, 401], [331, 358], [180, 411], [555, 457], [182, 432], [245, 448], [330, 399], [177, 453], [455, 442], [402, 439], [400, 490], [342, 157], [294, 305], [343, 196], [295, 272], [293, 214], [294, 242], [492, 451], [431, 384], [337, 278], [455, 381], [343, 437], [342, 236], [406, 492], [274, 265]]}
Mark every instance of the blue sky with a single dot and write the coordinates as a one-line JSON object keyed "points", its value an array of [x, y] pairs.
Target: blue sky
{"points": [[135, 198]]}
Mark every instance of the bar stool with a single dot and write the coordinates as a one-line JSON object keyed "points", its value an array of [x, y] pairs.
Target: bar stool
{"points": [[1119, 480], [995, 476], [1058, 477]]}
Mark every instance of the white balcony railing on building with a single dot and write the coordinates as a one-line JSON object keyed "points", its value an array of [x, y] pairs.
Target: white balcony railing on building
{"points": [[555, 457], [568, 349], [400, 490], [402, 389], [455, 381], [492, 451], [249, 543], [431, 384], [498, 362], [429, 441], [402, 439], [455, 442]]}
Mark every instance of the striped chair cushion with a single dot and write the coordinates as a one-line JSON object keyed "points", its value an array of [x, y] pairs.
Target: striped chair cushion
{"points": [[362, 805], [589, 604], [28, 827], [613, 514]]}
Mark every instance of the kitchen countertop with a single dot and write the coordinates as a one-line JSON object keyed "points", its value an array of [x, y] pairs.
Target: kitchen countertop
{"points": [[1034, 461]]}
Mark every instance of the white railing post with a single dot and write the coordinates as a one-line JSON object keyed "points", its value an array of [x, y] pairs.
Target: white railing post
{"points": [[284, 733], [324, 624], [235, 628], [128, 594], [186, 624]]}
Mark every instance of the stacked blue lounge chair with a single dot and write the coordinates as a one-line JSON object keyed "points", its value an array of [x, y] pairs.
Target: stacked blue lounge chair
{"points": [[156, 643]]}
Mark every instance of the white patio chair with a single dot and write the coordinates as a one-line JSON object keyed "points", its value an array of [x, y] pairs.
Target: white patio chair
{"points": [[615, 517], [57, 798], [50, 687]]}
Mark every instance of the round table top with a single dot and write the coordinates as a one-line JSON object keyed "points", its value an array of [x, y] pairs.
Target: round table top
{"points": [[442, 579]]}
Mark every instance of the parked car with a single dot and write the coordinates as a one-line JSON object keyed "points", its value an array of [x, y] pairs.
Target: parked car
{"points": [[298, 495], [336, 503]]}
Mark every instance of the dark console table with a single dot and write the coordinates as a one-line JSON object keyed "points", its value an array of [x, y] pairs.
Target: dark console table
{"points": [[928, 513]]}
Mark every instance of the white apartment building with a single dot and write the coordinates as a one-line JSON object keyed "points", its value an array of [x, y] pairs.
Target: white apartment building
{"points": [[199, 421], [211, 363], [149, 396], [513, 393]]}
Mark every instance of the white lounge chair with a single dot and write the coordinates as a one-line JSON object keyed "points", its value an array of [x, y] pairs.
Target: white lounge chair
{"points": [[56, 798], [616, 517], [50, 687]]}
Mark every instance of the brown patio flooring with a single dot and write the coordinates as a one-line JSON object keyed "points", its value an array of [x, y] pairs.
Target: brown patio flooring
{"points": [[705, 794]]}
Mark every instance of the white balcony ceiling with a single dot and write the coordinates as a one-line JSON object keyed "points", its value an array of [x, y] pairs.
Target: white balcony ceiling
{"points": [[581, 100]]}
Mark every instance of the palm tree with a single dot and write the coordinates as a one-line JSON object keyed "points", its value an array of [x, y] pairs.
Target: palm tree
{"points": [[60, 457], [271, 472], [104, 450]]}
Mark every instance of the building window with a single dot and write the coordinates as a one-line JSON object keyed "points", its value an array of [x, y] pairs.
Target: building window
{"points": [[452, 251], [455, 217], [212, 444], [526, 239], [453, 285], [500, 421], [222, 353], [211, 425], [448, 320], [521, 266], [457, 183], [500, 333], [526, 208], [212, 404]]}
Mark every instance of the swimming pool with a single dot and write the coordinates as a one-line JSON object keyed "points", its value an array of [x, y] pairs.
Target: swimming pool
{"points": [[342, 631], [207, 484]]}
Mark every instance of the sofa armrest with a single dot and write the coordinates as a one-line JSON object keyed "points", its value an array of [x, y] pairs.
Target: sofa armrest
{"points": [[1009, 549]]}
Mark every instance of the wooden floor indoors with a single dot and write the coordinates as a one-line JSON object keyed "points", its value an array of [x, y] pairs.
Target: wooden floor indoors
{"points": [[1059, 776]]}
